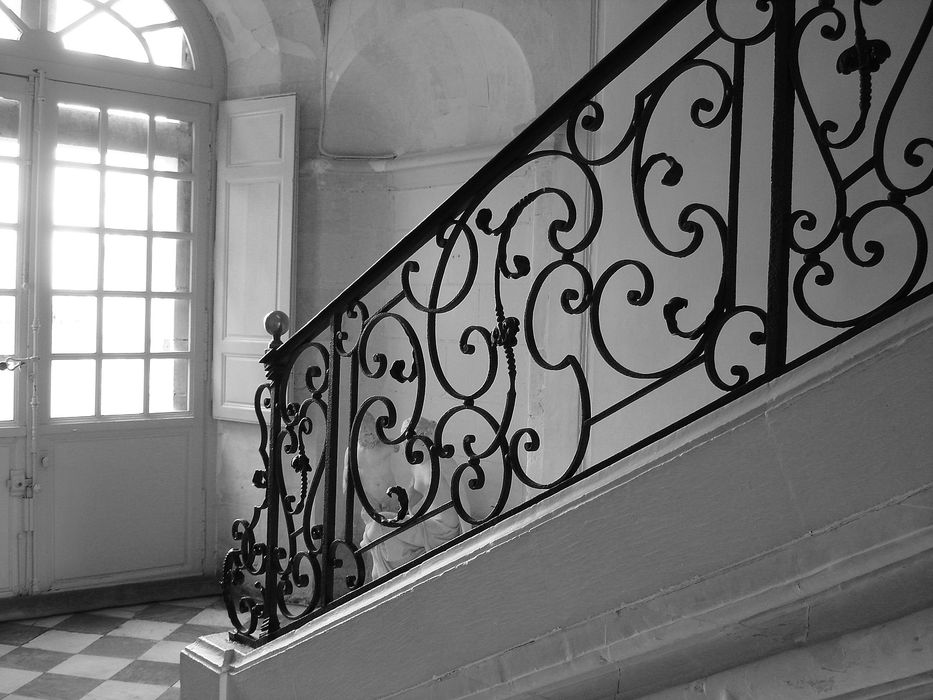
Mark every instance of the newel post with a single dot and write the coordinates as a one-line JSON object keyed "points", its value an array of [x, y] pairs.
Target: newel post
{"points": [[782, 165], [276, 324]]}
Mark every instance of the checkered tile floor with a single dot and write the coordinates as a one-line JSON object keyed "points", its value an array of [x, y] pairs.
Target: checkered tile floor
{"points": [[128, 653]]}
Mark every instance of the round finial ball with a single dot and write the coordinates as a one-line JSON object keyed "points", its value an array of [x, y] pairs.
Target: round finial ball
{"points": [[276, 323]]}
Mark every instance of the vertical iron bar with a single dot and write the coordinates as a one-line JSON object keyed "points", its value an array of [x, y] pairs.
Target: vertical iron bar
{"points": [[331, 467], [273, 480], [730, 254], [354, 406], [782, 164]]}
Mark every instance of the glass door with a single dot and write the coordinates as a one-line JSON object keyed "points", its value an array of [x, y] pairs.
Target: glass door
{"points": [[113, 440]]}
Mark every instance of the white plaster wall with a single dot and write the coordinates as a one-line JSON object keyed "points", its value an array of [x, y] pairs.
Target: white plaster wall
{"points": [[886, 661], [349, 213]]}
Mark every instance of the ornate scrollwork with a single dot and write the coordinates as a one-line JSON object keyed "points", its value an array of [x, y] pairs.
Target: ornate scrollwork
{"points": [[478, 307], [866, 57]]}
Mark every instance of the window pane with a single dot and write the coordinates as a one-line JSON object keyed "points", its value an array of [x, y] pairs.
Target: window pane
{"points": [[168, 47], [8, 260], [63, 13], [170, 325], [76, 199], [121, 387], [9, 193], [126, 201], [172, 145], [7, 395], [171, 265], [127, 139], [168, 385], [124, 263], [73, 388], [171, 205], [8, 28], [142, 13], [78, 134], [104, 35], [9, 127], [7, 325], [124, 328], [74, 260], [74, 324], [7, 348]]}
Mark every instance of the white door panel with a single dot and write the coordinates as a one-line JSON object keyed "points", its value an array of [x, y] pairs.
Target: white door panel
{"points": [[256, 176], [112, 515]]}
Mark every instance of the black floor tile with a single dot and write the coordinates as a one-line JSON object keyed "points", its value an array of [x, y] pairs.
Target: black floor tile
{"points": [[16, 633], [51, 686], [120, 647], [89, 623], [166, 613], [155, 672], [32, 659]]}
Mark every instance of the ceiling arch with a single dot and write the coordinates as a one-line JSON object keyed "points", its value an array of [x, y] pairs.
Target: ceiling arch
{"points": [[441, 79]]}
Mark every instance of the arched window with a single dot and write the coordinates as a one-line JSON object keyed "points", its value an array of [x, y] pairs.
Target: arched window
{"points": [[146, 31], [106, 120]]}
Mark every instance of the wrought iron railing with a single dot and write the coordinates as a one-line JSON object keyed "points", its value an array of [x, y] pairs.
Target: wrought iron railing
{"points": [[594, 311]]}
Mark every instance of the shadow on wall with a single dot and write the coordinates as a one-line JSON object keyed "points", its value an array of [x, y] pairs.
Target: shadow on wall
{"points": [[444, 79]]}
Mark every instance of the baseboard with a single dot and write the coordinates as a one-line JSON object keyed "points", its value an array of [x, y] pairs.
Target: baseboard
{"points": [[59, 603]]}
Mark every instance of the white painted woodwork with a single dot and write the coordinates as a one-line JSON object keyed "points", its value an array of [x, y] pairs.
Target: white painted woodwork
{"points": [[256, 167], [121, 498], [15, 510], [116, 499], [205, 83]]}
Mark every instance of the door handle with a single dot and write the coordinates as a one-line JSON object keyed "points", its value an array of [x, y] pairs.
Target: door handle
{"points": [[11, 363]]}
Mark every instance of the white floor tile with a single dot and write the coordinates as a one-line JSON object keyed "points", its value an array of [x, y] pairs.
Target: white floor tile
{"points": [[91, 666], [169, 652], [13, 678], [145, 629], [214, 618], [5, 649], [118, 690], [57, 640]]}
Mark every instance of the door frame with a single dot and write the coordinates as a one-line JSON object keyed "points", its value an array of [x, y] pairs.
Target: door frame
{"points": [[33, 437]]}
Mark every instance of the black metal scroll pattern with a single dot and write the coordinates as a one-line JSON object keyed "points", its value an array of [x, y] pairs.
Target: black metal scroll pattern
{"points": [[295, 567], [251, 558], [698, 221], [303, 536], [495, 340], [866, 57]]}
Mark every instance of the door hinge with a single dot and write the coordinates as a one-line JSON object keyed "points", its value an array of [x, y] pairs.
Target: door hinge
{"points": [[20, 485]]}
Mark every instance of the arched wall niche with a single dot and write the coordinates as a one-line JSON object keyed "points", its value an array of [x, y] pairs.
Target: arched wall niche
{"points": [[273, 47], [441, 79]]}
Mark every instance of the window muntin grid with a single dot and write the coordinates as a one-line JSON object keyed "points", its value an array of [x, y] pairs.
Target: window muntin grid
{"points": [[142, 31], [121, 253], [10, 235]]}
